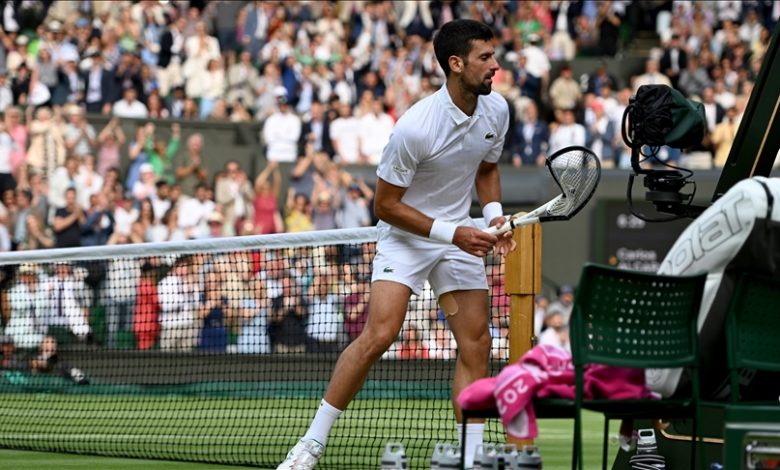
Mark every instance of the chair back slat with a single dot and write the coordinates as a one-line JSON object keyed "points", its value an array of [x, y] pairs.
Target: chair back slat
{"points": [[635, 319]]}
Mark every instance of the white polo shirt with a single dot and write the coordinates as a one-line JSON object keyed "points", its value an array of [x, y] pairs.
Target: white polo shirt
{"points": [[435, 151]]}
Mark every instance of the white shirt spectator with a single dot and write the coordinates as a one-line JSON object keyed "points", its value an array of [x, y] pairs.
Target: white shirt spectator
{"points": [[28, 308], [193, 215], [537, 63], [344, 133], [280, 134], [566, 135], [374, 132], [134, 109], [124, 218], [6, 145], [6, 97]]}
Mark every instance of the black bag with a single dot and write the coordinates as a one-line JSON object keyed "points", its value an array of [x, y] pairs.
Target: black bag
{"points": [[661, 115]]}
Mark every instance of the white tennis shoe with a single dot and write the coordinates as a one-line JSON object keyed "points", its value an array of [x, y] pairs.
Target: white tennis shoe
{"points": [[304, 456]]}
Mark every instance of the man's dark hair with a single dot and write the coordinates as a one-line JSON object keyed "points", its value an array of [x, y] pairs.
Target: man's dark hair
{"points": [[456, 37]]}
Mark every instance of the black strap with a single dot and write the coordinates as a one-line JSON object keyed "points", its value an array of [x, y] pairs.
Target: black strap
{"points": [[770, 199]]}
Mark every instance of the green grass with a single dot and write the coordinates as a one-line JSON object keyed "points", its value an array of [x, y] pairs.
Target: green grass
{"points": [[236, 431]]}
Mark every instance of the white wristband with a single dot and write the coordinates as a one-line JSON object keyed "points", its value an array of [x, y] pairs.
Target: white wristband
{"points": [[442, 231], [491, 211]]}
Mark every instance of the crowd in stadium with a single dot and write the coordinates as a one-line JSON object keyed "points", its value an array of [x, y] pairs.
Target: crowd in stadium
{"points": [[326, 80]]}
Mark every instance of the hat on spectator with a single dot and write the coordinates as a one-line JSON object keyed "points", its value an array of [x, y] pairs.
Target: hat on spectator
{"points": [[597, 105], [533, 38], [215, 217], [22, 40], [54, 26], [146, 168], [82, 23], [280, 93], [553, 309]]}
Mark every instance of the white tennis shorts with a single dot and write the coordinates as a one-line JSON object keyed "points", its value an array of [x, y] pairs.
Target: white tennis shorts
{"points": [[410, 260]]}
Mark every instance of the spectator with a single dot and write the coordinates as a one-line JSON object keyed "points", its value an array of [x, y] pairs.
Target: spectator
{"points": [[374, 130], [282, 130], [18, 154], [254, 310], [242, 78], [564, 302], [651, 76], [146, 315], [170, 56], [194, 214], [267, 218], [119, 289], [556, 332], [47, 143], [345, 136], [37, 234], [161, 201], [315, 129], [216, 225], [356, 309], [129, 106], [599, 78], [530, 142], [298, 218], [212, 87], [110, 141], [324, 212], [190, 171], [178, 295], [723, 137], [694, 78], [6, 96], [160, 155], [98, 222], [68, 221], [236, 195], [100, 89], [7, 180], [287, 321], [88, 181], [213, 330], [18, 225], [69, 307], [28, 307], [124, 215], [600, 136], [146, 186], [565, 91], [608, 26], [674, 60], [567, 132], [354, 210]]}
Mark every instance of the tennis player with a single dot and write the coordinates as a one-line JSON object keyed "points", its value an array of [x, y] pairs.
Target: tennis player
{"points": [[440, 150]]}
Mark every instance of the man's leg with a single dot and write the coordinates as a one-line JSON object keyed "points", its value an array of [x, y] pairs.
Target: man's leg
{"points": [[386, 312], [469, 325]]}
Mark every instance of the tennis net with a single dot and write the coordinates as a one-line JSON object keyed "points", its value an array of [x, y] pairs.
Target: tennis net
{"points": [[217, 351]]}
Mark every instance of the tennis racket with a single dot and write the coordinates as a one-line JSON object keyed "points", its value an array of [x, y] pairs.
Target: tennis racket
{"points": [[577, 172]]}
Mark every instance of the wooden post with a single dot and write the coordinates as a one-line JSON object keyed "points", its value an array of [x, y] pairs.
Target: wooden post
{"points": [[523, 280]]}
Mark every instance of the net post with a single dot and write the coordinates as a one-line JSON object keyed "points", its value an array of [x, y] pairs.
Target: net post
{"points": [[523, 280]]}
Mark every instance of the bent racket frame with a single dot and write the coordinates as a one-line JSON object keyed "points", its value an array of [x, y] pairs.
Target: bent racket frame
{"points": [[576, 171]]}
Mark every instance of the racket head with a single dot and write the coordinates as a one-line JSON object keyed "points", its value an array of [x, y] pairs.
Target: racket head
{"points": [[577, 172]]}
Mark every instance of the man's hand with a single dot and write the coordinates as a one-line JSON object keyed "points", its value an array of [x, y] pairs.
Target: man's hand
{"points": [[505, 243], [474, 241]]}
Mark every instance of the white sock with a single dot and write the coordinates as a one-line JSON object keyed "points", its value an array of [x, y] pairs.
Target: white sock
{"points": [[474, 433], [324, 419]]}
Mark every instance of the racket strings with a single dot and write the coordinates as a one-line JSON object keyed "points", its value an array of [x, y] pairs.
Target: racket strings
{"points": [[577, 173]]}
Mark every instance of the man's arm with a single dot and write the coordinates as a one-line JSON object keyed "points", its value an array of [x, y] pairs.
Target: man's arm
{"points": [[488, 185], [389, 207]]}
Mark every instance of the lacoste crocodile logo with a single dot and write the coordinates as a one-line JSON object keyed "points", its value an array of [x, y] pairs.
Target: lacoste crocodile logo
{"points": [[489, 136], [388, 269]]}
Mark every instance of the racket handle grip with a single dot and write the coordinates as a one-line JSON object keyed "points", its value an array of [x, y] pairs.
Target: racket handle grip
{"points": [[507, 226]]}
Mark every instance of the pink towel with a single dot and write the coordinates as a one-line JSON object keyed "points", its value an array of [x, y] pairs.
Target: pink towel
{"points": [[546, 371]]}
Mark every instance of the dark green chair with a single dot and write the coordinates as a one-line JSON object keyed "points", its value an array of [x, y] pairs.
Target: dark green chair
{"points": [[753, 331], [629, 319]]}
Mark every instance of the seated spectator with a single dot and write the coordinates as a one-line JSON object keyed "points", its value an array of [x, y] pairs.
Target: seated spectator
{"points": [[565, 90], [287, 320], [80, 136], [556, 332], [652, 76], [88, 181], [354, 208], [531, 137], [213, 330], [601, 136], [146, 314], [129, 106], [8, 358], [28, 307], [374, 131], [67, 296], [98, 222], [47, 143], [253, 314], [566, 131], [325, 322], [178, 294], [146, 186]]}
